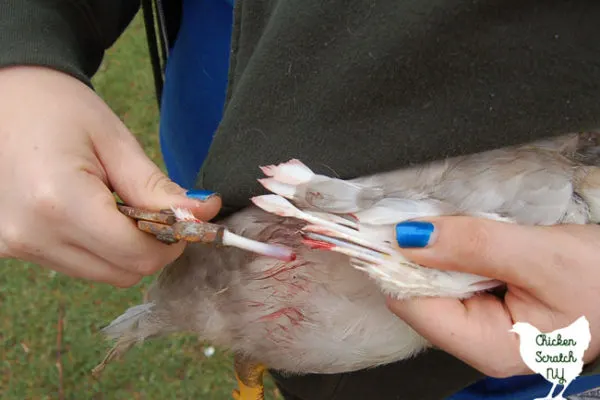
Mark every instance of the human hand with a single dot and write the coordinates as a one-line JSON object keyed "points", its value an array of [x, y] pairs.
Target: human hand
{"points": [[552, 276], [62, 153]]}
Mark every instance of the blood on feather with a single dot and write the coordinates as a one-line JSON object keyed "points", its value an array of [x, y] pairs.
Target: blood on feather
{"points": [[317, 244]]}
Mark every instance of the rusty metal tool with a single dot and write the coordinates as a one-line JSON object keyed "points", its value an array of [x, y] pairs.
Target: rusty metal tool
{"points": [[167, 228]]}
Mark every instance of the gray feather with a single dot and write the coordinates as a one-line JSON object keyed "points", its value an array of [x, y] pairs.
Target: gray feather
{"points": [[130, 323]]}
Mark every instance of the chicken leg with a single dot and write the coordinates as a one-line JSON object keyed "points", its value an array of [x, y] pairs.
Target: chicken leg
{"points": [[249, 375]]}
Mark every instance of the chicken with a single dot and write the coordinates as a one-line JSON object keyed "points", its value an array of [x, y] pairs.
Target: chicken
{"points": [[325, 311], [558, 355]]}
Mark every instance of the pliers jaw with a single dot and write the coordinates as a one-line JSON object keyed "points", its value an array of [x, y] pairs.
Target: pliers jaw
{"points": [[166, 228]]}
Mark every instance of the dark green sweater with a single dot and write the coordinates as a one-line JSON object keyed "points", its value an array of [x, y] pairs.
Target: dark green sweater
{"points": [[357, 87]]}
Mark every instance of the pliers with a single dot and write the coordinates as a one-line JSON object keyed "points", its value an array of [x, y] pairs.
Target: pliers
{"points": [[165, 226]]}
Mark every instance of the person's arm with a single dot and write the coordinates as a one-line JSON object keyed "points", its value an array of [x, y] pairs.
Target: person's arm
{"points": [[63, 152], [67, 35]]}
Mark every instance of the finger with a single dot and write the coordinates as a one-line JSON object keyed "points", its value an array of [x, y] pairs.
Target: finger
{"points": [[98, 226], [95, 224], [508, 252], [139, 182], [76, 262], [465, 329], [205, 209]]}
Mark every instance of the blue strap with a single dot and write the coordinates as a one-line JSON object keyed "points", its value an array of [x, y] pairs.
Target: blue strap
{"points": [[195, 87], [526, 387]]}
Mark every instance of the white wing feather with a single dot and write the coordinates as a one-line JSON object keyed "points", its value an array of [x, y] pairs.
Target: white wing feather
{"points": [[369, 241]]}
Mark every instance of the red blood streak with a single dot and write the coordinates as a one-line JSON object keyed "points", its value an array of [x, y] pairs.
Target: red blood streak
{"points": [[277, 270], [317, 244], [291, 257], [292, 314]]}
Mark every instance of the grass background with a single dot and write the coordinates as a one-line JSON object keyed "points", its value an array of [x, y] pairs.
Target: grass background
{"points": [[34, 301]]}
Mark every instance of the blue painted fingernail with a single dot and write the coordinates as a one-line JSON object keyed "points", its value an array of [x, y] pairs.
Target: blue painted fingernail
{"points": [[200, 194], [414, 233]]}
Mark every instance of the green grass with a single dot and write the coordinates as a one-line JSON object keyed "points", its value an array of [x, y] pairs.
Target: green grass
{"points": [[33, 300]]}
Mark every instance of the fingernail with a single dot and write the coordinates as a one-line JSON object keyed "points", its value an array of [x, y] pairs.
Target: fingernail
{"points": [[200, 194], [414, 234]]}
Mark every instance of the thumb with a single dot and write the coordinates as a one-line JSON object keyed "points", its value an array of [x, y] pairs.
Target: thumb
{"points": [[479, 246], [140, 183]]}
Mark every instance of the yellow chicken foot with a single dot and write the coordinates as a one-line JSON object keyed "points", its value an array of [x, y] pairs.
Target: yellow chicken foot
{"points": [[249, 375]]}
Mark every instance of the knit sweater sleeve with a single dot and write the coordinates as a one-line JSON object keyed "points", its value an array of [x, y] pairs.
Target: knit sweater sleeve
{"points": [[67, 35]]}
